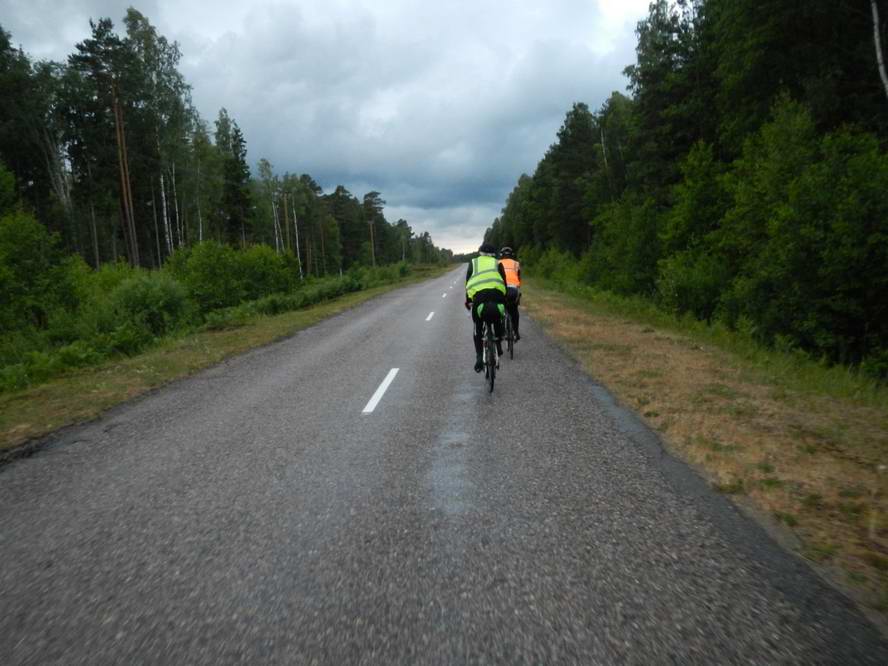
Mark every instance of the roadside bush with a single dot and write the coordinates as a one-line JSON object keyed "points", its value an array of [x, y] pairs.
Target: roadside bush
{"points": [[352, 282], [15, 344], [875, 366], [529, 255], [263, 272], [627, 246], [211, 274], [153, 301], [13, 377], [809, 227], [177, 263], [551, 265], [692, 281], [379, 275], [278, 303], [128, 338], [120, 310], [78, 354], [228, 318], [34, 276]]}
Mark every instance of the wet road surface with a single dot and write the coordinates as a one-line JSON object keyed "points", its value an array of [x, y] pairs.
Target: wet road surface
{"points": [[260, 512]]}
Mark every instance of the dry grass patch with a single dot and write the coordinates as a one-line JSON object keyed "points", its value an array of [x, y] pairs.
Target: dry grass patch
{"points": [[807, 462]]}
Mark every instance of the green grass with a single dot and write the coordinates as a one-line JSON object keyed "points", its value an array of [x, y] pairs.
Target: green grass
{"points": [[786, 518], [721, 391], [876, 560], [793, 371], [820, 552], [852, 511], [715, 445], [856, 578]]}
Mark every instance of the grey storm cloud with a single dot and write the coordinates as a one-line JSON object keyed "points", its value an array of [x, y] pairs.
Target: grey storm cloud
{"points": [[438, 106]]}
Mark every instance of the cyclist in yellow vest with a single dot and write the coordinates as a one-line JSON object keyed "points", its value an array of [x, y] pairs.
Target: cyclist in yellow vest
{"points": [[486, 298], [513, 286]]}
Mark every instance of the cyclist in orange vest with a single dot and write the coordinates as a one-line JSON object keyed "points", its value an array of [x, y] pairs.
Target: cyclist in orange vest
{"points": [[513, 286]]}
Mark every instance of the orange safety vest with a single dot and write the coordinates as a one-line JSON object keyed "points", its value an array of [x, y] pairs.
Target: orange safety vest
{"points": [[513, 279]]}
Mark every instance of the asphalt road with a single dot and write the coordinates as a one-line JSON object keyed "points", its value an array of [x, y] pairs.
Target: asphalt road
{"points": [[254, 514]]}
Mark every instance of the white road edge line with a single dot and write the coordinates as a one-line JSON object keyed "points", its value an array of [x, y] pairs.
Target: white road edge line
{"points": [[371, 405], [431, 314]]}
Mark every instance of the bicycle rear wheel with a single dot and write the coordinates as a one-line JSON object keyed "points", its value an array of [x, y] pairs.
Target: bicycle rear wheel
{"points": [[491, 355]]}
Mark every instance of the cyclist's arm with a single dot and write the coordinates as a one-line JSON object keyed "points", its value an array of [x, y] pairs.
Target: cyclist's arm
{"points": [[502, 272], [468, 275]]}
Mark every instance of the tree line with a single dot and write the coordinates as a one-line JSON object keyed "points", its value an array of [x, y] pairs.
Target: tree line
{"points": [[744, 179], [108, 152]]}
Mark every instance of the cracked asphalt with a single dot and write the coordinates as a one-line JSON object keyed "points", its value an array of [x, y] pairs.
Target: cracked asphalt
{"points": [[253, 514]]}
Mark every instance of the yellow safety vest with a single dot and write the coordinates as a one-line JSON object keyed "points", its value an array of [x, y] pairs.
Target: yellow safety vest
{"points": [[485, 275]]}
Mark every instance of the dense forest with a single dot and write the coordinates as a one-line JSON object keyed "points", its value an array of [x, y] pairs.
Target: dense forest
{"points": [[744, 179], [107, 151], [125, 219]]}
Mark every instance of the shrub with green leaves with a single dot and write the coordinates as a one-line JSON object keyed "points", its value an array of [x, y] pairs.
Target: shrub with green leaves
{"points": [[152, 301], [263, 271], [692, 281], [34, 276], [808, 237], [212, 276]]}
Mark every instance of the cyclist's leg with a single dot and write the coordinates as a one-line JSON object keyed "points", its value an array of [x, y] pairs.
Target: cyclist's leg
{"points": [[477, 335], [512, 307], [497, 312], [515, 315]]}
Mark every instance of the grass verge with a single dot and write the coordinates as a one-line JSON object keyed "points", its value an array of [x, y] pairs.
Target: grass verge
{"points": [[803, 445], [82, 395]]}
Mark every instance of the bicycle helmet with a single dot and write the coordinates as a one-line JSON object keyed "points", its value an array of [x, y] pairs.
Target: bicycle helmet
{"points": [[487, 248], [507, 253]]}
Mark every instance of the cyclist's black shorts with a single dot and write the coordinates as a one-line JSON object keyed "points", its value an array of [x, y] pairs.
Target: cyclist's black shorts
{"points": [[491, 298], [513, 295]]}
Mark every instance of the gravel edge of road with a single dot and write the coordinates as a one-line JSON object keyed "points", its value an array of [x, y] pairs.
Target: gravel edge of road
{"points": [[740, 529]]}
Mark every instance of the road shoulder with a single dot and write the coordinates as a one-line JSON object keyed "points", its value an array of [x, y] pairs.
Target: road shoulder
{"points": [[775, 453]]}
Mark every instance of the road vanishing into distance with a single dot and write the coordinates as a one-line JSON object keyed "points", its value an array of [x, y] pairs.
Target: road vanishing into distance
{"points": [[353, 494]]}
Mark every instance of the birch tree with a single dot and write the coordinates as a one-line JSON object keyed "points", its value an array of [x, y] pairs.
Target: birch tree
{"points": [[877, 43]]}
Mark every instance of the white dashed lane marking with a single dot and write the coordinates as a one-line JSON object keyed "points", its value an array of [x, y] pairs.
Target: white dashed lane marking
{"points": [[389, 378]]}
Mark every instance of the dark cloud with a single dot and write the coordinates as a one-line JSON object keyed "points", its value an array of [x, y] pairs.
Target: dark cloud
{"points": [[439, 106]]}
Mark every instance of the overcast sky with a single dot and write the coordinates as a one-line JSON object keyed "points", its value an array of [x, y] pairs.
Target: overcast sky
{"points": [[438, 105]]}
